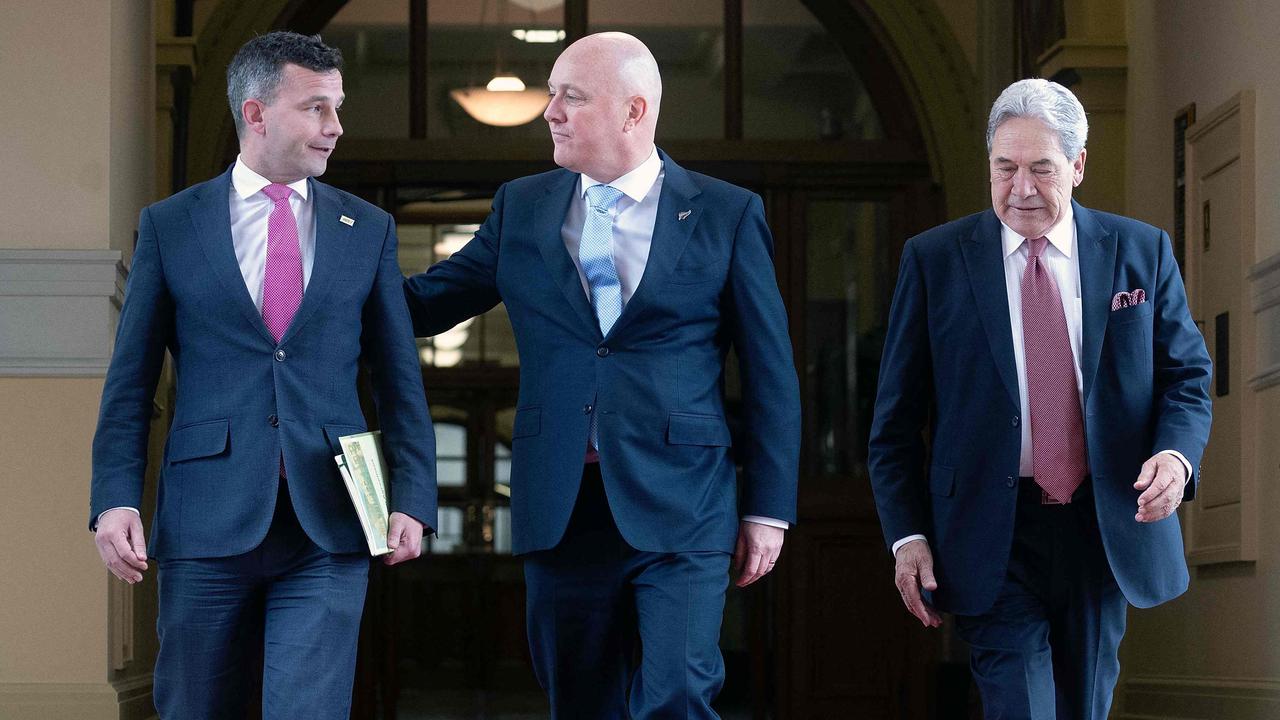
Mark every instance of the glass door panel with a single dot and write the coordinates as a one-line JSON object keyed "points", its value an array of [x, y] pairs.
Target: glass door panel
{"points": [[849, 277]]}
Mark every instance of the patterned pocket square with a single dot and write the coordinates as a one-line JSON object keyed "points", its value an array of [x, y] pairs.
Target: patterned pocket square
{"points": [[1128, 299]]}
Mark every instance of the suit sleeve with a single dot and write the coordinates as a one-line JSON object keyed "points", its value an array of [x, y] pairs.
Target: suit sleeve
{"points": [[461, 286], [757, 323], [124, 418], [387, 345], [895, 456], [1182, 370]]}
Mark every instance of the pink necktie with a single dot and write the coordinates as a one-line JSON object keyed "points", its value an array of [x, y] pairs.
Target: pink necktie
{"points": [[1057, 426], [282, 285]]}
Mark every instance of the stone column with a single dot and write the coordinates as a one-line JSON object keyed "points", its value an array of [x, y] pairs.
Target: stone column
{"points": [[78, 166]]}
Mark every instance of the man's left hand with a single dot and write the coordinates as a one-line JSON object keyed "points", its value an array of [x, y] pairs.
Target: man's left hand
{"points": [[1161, 481], [757, 551], [404, 537]]}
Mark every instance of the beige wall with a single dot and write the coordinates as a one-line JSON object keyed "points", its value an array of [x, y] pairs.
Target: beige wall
{"points": [[77, 152], [1212, 652], [55, 590], [1183, 51], [76, 149]]}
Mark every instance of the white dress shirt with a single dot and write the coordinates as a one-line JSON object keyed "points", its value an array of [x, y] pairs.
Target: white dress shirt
{"points": [[250, 208], [634, 216], [1062, 261]]}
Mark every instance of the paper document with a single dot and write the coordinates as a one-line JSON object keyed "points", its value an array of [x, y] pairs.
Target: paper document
{"points": [[364, 473]]}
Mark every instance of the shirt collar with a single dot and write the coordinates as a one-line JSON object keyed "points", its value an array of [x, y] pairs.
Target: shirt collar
{"points": [[1061, 235], [247, 182], [635, 184]]}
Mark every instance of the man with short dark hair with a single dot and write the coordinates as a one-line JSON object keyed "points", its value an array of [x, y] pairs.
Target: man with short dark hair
{"points": [[268, 288], [1049, 351], [628, 279]]}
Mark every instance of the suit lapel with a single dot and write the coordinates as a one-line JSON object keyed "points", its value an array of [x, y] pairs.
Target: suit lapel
{"points": [[670, 235], [1097, 249], [548, 218], [984, 260], [211, 215], [332, 237]]}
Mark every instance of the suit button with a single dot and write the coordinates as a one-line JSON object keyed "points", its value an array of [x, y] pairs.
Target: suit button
{"points": [[280, 356], [275, 421], [602, 351], [1010, 482], [586, 409], [1014, 421]]}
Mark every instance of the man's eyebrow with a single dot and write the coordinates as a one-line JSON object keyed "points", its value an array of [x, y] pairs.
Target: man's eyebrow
{"points": [[1042, 161]]}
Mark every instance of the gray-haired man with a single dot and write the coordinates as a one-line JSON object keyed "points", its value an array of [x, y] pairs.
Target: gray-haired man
{"points": [[1069, 395]]}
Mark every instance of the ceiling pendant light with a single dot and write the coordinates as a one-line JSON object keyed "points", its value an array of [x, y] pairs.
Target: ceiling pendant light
{"points": [[503, 101]]}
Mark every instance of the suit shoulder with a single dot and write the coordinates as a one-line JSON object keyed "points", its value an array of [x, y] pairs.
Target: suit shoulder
{"points": [[522, 187], [944, 237], [181, 200], [355, 202], [1129, 229], [719, 190]]}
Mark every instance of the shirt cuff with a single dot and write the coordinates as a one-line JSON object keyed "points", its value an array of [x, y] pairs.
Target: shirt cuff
{"points": [[1186, 465], [906, 540], [104, 512], [771, 522]]}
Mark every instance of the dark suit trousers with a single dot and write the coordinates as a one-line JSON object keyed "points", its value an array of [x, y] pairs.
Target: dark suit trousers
{"points": [[1047, 649], [287, 603], [593, 601]]}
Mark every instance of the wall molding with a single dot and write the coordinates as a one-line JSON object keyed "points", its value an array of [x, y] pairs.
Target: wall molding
{"points": [[1265, 279], [128, 699], [1222, 525], [134, 695], [39, 701], [1172, 697], [58, 311]]}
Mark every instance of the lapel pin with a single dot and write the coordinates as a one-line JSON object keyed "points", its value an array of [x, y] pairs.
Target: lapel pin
{"points": [[347, 221], [684, 215]]}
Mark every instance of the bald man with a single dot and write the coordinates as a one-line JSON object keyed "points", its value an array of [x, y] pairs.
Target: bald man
{"points": [[627, 279]]}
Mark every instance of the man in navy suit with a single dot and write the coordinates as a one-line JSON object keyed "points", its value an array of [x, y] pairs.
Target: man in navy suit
{"points": [[627, 280], [268, 289], [1049, 351]]}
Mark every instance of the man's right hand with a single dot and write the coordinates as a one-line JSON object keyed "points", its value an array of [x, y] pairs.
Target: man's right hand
{"points": [[120, 543], [915, 571]]}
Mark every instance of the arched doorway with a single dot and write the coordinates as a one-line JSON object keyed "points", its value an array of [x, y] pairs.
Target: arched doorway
{"points": [[801, 101]]}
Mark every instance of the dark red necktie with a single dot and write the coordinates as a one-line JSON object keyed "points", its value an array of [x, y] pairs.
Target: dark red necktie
{"points": [[1057, 425]]}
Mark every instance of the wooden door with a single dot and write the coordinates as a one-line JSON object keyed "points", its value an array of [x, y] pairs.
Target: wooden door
{"points": [[845, 647]]}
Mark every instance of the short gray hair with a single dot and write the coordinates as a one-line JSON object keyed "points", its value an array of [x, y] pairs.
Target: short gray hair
{"points": [[258, 66], [1048, 102]]}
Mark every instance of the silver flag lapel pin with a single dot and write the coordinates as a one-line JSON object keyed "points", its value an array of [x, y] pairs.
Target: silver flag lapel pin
{"points": [[684, 214], [347, 221]]}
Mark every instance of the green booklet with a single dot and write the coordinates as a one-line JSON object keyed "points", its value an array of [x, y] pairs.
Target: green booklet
{"points": [[364, 473]]}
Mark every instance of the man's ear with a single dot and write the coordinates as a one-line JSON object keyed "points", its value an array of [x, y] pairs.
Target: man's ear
{"points": [[1077, 169], [636, 110], [251, 111]]}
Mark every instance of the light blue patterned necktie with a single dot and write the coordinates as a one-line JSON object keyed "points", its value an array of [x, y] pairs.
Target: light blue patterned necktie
{"points": [[595, 253]]}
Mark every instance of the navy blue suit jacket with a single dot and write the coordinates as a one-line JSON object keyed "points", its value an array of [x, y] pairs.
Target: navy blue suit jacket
{"points": [[656, 382], [241, 398], [948, 364]]}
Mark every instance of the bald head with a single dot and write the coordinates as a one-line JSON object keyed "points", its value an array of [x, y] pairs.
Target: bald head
{"points": [[605, 94], [624, 63]]}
